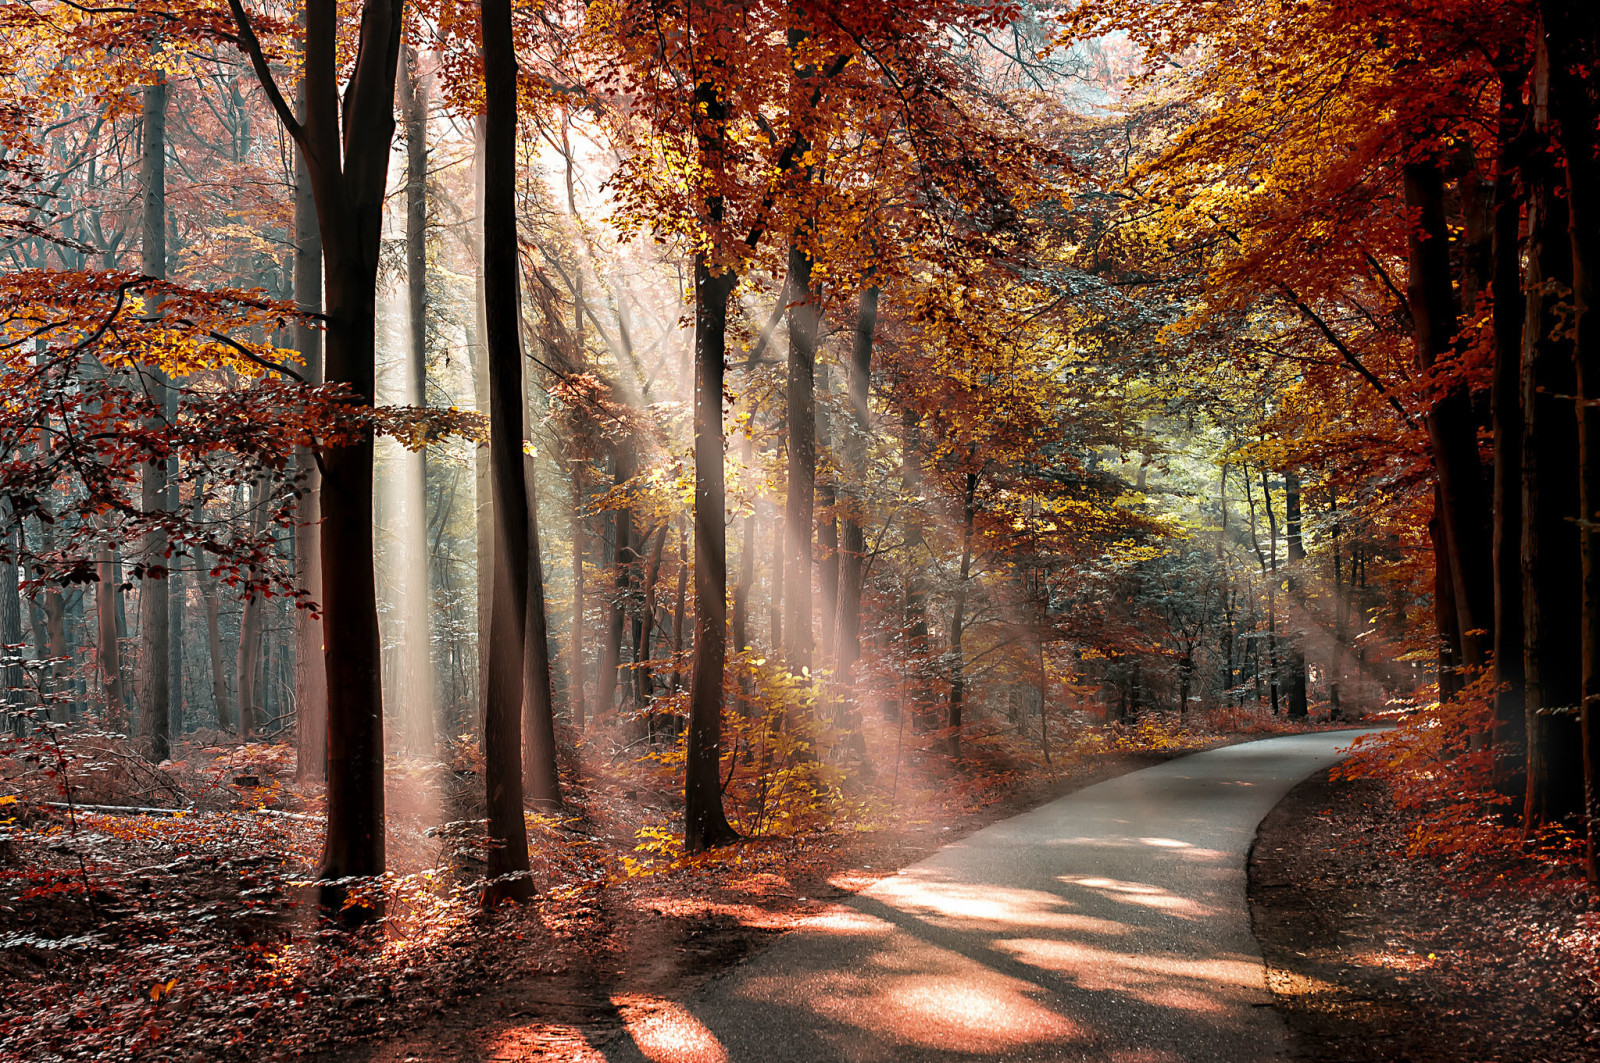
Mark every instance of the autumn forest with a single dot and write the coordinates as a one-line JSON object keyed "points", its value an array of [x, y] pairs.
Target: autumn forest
{"points": [[745, 530]]}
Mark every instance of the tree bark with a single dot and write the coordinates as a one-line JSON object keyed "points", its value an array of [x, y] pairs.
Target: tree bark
{"points": [[1297, 553], [624, 467], [154, 603], [705, 825], [958, 675], [1573, 39], [346, 139], [508, 610], [1452, 429], [853, 545], [800, 507], [310, 669], [538, 702], [1505, 413]]}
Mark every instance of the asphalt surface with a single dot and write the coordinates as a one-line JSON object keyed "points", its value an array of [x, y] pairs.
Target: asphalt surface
{"points": [[1110, 925]]}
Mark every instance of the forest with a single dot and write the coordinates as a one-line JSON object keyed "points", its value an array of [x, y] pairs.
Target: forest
{"points": [[513, 509]]}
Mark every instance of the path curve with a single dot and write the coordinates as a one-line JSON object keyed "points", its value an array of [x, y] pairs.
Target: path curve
{"points": [[1109, 925]]}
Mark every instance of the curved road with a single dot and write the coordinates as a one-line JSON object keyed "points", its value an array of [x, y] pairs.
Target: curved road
{"points": [[1109, 925]]}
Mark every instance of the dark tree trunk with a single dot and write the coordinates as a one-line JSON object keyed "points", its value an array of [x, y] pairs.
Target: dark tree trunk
{"points": [[800, 510], [154, 602], [575, 702], [1574, 58], [347, 159], [538, 704], [1552, 600], [310, 670], [1505, 412], [827, 529], [704, 823], [110, 651], [1452, 428], [644, 681], [508, 610], [747, 557], [678, 603]]}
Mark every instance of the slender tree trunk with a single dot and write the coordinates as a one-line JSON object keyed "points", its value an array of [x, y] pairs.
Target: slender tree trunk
{"points": [[310, 669], [853, 544], [1272, 592], [678, 603], [958, 675], [251, 636], [704, 823], [154, 612], [747, 556], [1505, 406], [483, 485], [575, 702], [538, 703], [417, 701], [800, 508], [644, 685], [110, 651], [1297, 554], [827, 529], [624, 467], [16, 700], [508, 613]]}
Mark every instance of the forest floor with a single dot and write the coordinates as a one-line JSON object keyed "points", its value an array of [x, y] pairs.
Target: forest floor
{"points": [[1376, 957], [181, 925]]}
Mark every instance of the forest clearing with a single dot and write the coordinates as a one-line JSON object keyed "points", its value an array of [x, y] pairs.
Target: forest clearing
{"points": [[721, 530]]}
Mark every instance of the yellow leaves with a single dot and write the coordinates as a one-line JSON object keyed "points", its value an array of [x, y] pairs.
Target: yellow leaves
{"points": [[161, 990]]}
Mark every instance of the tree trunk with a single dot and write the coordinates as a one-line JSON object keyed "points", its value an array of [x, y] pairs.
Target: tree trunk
{"points": [[644, 685], [1505, 412], [624, 466], [827, 528], [508, 611], [154, 613], [575, 702], [853, 544], [1552, 601], [704, 823], [310, 670], [110, 650], [800, 508], [251, 636], [1573, 37], [417, 699], [958, 675], [1297, 553], [15, 696], [538, 703], [482, 481], [747, 554], [1452, 430], [678, 603]]}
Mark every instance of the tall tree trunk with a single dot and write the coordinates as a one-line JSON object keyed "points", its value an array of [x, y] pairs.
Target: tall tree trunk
{"points": [[154, 613], [346, 139], [704, 823], [747, 552], [915, 611], [678, 603], [853, 544], [958, 673], [1297, 554], [1573, 37], [1505, 412], [1452, 429], [800, 508], [310, 670], [575, 702], [110, 650], [827, 528], [538, 703], [418, 699], [508, 611], [482, 481], [1552, 619], [1272, 591]]}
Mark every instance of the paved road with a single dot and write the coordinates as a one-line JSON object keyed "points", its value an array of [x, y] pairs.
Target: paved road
{"points": [[1109, 925]]}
